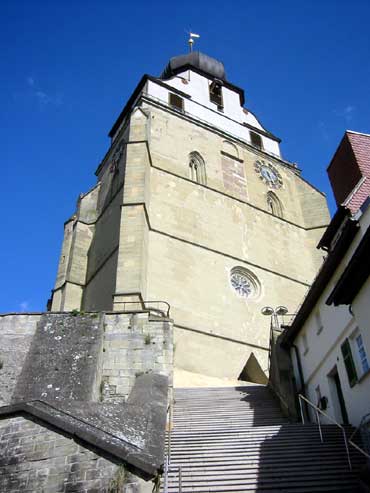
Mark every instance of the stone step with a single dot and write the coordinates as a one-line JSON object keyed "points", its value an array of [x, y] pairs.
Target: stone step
{"points": [[302, 484], [250, 457], [236, 439], [241, 469]]}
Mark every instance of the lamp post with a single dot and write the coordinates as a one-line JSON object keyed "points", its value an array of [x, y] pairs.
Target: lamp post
{"points": [[273, 313], [268, 311]]}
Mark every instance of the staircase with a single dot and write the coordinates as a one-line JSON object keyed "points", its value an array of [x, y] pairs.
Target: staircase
{"points": [[236, 439]]}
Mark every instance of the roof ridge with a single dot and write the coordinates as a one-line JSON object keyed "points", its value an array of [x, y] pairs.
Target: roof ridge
{"points": [[357, 133]]}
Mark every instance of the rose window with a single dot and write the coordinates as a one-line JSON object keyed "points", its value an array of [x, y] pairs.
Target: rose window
{"points": [[241, 285], [244, 283]]}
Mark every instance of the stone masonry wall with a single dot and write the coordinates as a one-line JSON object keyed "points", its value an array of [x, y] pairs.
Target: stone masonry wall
{"points": [[63, 361], [36, 459], [33, 456], [16, 333], [133, 344]]}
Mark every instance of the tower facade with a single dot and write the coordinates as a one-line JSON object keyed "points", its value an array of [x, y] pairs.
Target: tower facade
{"points": [[194, 206]]}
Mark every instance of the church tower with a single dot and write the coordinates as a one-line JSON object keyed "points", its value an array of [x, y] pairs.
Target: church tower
{"points": [[194, 206]]}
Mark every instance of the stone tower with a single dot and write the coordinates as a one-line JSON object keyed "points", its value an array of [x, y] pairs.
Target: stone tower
{"points": [[194, 206]]}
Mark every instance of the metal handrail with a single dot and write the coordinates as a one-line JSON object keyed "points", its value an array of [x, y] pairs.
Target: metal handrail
{"points": [[167, 464], [168, 454], [346, 440], [359, 429], [360, 425], [167, 469], [165, 474], [180, 479], [144, 308], [169, 434]]}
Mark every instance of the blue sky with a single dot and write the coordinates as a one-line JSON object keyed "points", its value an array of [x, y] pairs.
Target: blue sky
{"points": [[68, 67]]}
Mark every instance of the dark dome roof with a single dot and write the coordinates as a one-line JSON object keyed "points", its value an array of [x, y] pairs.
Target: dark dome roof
{"points": [[196, 59]]}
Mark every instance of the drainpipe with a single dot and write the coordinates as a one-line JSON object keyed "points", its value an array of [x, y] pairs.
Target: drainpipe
{"points": [[300, 371]]}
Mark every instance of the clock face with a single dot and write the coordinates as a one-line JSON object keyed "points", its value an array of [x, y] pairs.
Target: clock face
{"points": [[268, 174]]}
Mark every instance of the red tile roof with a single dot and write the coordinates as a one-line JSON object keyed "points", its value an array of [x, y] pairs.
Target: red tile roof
{"points": [[349, 170], [361, 148]]}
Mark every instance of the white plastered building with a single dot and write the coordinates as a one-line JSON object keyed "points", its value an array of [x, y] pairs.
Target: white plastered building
{"points": [[329, 338]]}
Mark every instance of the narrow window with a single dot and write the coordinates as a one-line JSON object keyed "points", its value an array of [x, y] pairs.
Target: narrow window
{"points": [[362, 356], [348, 362], [197, 168], [256, 140], [274, 205], [215, 94], [175, 101]]}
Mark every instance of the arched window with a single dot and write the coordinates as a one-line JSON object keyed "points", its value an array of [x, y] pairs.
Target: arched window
{"points": [[274, 205], [197, 168]]}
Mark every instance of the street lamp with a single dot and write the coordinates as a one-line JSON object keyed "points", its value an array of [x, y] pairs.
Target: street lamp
{"points": [[273, 313], [268, 311]]}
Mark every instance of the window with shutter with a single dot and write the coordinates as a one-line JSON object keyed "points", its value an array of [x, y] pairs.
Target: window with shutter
{"points": [[176, 101], [349, 363], [256, 140], [215, 94]]}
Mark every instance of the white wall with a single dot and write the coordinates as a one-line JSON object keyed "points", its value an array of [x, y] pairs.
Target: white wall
{"points": [[324, 345], [229, 120], [357, 398]]}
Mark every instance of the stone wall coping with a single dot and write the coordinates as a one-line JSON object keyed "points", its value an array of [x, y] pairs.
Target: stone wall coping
{"points": [[115, 312], [133, 432]]}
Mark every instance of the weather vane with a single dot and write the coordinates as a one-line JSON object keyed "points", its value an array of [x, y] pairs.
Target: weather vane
{"points": [[192, 36]]}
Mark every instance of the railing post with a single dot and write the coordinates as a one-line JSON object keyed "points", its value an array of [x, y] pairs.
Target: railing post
{"points": [[180, 480], [319, 424], [301, 408], [346, 441], [169, 433], [165, 482], [347, 450]]}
